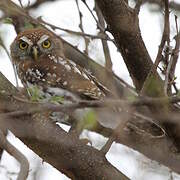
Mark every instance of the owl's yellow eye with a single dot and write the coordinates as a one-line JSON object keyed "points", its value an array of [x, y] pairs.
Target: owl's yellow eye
{"points": [[23, 45], [46, 44]]}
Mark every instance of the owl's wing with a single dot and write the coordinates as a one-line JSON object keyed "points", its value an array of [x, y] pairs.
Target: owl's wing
{"points": [[103, 88], [65, 74]]}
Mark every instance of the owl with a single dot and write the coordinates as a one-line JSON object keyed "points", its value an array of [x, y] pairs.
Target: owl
{"points": [[39, 60]]}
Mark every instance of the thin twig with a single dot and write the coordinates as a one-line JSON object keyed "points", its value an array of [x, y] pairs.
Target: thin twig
{"points": [[166, 83], [108, 145], [24, 168], [20, 2], [28, 5], [141, 116], [98, 25], [107, 55], [173, 61], [138, 5], [38, 3], [173, 5], [176, 55], [75, 32], [165, 36], [81, 28]]}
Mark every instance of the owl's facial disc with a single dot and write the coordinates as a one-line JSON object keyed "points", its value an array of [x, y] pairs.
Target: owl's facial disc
{"points": [[32, 47], [37, 48]]}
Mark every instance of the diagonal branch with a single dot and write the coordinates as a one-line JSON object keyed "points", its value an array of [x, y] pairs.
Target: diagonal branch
{"points": [[123, 23], [81, 28], [35, 133], [62, 150], [108, 61], [165, 36]]}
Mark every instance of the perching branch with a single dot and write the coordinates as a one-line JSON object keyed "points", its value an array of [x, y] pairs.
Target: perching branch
{"points": [[35, 107], [62, 150]]}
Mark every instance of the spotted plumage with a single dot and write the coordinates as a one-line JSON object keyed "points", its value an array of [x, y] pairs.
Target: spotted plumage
{"points": [[38, 57]]}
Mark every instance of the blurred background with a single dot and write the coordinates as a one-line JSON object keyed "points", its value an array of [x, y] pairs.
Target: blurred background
{"points": [[64, 14]]}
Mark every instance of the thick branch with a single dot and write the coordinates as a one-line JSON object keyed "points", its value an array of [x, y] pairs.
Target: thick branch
{"points": [[37, 135], [123, 23], [54, 145]]}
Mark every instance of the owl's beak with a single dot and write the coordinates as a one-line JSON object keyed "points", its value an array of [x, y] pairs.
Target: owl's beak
{"points": [[35, 53]]}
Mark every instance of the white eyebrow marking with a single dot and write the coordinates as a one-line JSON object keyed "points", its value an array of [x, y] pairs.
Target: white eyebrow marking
{"points": [[25, 39], [43, 38]]}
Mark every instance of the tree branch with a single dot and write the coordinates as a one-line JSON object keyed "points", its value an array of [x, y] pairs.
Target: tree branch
{"points": [[173, 5], [108, 61], [62, 150], [136, 134], [6, 145], [35, 133], [123, 23], [165, 36], [38, 3]]}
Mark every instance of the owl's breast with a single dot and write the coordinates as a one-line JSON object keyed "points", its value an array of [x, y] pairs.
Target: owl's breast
{"points": [[31, 72], [39, 77], [61, 73]]}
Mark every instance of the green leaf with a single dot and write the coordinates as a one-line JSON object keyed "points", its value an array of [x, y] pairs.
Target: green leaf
{"points": [[89, 121], [56, 99], [35, 93], [8, 21]]}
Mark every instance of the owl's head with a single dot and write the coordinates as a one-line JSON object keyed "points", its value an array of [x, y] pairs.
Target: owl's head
{"points": [[32, 44]]}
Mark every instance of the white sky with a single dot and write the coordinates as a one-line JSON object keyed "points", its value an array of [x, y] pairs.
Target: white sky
{"points": [[64, 14]]}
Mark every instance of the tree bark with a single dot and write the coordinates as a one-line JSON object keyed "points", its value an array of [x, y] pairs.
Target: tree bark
{"points": [[123, 23], [55, 146]]}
